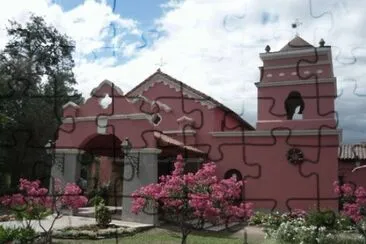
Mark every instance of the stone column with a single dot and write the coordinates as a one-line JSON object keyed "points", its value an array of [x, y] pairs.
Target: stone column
{"points": [[148, 173], [72, 168], [66, 166]]}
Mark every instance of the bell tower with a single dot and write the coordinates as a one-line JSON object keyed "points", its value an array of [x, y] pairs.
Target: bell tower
{"points": [[297, 88]]}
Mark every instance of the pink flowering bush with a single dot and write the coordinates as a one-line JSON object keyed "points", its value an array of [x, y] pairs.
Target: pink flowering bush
{"points": [[194, 198], [354, 204], [34, 203]]}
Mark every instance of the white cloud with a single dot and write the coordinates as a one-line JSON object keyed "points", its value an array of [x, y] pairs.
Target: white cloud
{"points": [[212, 45]]}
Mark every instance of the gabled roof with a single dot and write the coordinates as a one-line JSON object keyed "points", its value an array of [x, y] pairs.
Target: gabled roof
{"points": [[188, 91], [296, 44]]}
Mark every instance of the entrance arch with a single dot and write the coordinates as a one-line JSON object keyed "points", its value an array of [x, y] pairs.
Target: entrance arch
{"points": [[102, 145], [102, 165]]}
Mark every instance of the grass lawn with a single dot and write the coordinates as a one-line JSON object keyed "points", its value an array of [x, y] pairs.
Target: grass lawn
{"points": [[163, 236]]}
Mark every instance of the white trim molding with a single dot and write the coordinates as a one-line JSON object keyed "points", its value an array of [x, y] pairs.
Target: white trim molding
{"points": [[165, 107], [295, 53], [71, 104], [69, 151], [146, 150], [257, 133], [137, 116], [294, 65], [179, 132], [185, 118], [294, 82], [187, 160]]}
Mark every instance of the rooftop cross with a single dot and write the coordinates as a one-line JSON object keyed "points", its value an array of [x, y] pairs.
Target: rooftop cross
{"points": [[161, 64], [296, 25]]}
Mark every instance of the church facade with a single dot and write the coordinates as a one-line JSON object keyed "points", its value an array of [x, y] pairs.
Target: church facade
{"points": [[290, 159]]}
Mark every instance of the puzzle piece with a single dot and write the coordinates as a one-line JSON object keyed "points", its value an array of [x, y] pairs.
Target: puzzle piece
{"points": [[233, 22], [148, 38], [228, 138], [178, 102]]}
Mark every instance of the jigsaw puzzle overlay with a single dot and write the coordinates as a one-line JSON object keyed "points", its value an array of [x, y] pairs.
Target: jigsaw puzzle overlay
{"points": [[116, 142]]}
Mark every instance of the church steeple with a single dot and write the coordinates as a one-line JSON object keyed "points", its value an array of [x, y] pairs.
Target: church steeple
{"points": [[297, 87]]}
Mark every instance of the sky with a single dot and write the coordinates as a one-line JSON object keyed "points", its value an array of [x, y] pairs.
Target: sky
{"points": [[211, 45]]}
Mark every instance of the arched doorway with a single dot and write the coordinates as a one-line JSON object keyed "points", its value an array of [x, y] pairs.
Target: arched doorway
{"points": [[101, 168]]}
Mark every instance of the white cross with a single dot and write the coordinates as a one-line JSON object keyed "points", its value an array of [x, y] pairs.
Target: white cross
{"points": [[161, 64], [296, 25]]}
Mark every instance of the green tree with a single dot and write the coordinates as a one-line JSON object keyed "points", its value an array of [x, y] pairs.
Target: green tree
{"points": [[36, 80]]}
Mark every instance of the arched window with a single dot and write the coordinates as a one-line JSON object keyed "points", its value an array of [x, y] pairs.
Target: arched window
{"points": [[294, 106], [230, 173]]}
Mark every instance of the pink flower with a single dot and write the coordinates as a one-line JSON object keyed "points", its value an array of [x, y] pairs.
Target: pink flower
{"points": [[200, 194], [34, 197]]}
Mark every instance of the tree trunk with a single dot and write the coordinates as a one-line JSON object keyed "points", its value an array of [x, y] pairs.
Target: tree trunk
{"points": [[46, 238], [185, 232], [184, 238]]}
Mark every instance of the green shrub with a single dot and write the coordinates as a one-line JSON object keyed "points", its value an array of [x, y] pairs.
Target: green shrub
{"points": [[273, 220], [258, 218], [22, 235], [103, 215], [298, 231], [326, 218], [344, 223], [26, 235], [6, 234], [96, 200]]}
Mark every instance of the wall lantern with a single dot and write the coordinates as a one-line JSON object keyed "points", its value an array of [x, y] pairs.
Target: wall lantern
{"points": [[50, 150], [50, 146], [126, 146]]}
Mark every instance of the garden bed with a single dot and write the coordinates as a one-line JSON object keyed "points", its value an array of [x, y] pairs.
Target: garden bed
{"points": [[94, 232], [7, 217]]}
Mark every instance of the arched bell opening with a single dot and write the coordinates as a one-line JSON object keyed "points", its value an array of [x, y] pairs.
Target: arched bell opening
{"points": [[294, 106]]}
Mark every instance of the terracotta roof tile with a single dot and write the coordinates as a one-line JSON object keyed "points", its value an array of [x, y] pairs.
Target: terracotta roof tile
{"points": [[172, 141], [352, 151]]}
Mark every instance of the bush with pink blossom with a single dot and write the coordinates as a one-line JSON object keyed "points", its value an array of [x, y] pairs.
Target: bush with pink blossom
{"points": [[33, 202], [353, 205], [194, 198]]}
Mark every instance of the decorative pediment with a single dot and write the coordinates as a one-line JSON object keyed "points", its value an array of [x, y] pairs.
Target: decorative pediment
{"points": [[109, 84], [295, 44], [159, 77]]}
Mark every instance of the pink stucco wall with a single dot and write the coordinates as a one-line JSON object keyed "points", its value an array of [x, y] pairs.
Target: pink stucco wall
{"points": [[358, 177], [271, 180]]}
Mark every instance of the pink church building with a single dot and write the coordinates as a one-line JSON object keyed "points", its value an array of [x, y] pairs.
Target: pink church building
{"points": [[290, 159]]}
